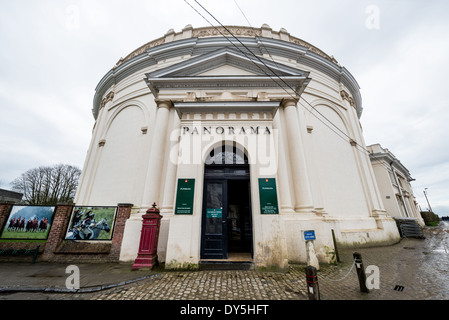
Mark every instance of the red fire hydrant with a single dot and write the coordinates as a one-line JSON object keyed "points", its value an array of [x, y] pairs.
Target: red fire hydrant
{"points": [[147, 256]]}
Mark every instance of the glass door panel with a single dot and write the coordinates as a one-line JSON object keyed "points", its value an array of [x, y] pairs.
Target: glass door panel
{"points": [[214, 236]]}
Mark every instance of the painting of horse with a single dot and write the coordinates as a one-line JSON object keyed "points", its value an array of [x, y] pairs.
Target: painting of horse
{"points": [[91, 223], [28, 222]]}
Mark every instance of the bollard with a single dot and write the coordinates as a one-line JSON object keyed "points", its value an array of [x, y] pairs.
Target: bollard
{"points": [[360, 272], [312, 259], [313, 291], [335, 246]]}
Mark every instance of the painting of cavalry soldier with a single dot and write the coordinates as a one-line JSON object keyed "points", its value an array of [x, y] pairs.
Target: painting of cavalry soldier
{"points": [[91, 223], [28, 222]]}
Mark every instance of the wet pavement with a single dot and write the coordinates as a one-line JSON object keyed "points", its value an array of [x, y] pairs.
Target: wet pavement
{"points": [[413, 269]]}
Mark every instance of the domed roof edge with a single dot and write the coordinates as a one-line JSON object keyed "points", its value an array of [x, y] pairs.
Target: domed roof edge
{"points": [[238, 31], [208, 37]]}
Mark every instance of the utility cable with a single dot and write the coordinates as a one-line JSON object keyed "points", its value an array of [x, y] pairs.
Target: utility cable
{"points": [[352, 141]]}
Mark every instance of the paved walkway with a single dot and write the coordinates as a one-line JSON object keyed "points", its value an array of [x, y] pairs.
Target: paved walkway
{"points": [[419, 266]]}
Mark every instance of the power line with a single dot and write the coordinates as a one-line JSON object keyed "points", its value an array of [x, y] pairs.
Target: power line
{"points": [[274, 61], [300, 96], [352, 141], [261, 61], [249, 23], [271, 70]]}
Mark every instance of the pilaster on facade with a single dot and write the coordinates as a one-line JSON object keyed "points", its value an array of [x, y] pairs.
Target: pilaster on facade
{"points": [[283, 169], [303, 196], [156, 162], [162, 103]]}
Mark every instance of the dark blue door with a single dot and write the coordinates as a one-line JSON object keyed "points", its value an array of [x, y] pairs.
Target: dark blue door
{"points": [[214, 237]]}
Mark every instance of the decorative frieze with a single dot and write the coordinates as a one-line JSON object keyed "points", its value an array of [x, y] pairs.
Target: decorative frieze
{"points": [[239, 31], [226, 116]]}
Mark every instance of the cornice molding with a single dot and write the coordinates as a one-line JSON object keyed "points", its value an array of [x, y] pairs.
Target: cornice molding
{"points": [[186, 75], [211, 32], [391, 160], [227, 106]]}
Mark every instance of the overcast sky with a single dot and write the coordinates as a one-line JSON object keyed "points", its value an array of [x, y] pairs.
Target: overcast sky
{"points": [[54, 52]]}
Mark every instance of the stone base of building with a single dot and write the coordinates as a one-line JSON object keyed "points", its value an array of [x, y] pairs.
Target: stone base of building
{"points": [[279, 239]]}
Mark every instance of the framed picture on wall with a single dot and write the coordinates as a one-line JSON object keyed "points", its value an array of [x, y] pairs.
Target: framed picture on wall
{"points": [[28, 223], [91, 223]]}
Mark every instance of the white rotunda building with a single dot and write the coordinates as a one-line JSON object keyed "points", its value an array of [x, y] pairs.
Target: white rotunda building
{"points": [[245, 138]]}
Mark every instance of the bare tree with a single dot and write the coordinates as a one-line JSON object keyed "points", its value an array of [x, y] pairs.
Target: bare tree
{"points": [[48, 185]]}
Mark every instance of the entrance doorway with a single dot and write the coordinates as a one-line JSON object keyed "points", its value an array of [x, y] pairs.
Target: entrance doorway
{"points": [[226, 231]]}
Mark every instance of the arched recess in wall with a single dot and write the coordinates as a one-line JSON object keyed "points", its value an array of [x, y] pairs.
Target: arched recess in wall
{"points": [[121, 161], [118, 109], [340, 111], [335, 169]]}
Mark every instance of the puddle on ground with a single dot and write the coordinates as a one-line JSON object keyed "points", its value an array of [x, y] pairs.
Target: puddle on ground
{"points": [[438, 250], [45, 275]]}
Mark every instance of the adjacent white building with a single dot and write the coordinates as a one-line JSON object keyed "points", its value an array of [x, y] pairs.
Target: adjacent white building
{"points": [[244, 143], [393, 179]]}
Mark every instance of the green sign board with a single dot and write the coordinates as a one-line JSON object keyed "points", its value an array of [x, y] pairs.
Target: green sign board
{"points": [[184, 196], [268, 196], [214, 213]]}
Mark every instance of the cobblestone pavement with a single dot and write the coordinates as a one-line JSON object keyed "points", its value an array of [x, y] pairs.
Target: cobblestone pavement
{"points": [[419, 266]]}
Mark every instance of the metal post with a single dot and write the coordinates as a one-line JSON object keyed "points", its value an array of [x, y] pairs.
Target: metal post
{"points": [[425, 194], [335, 246], [360, 272], [313, 291], [36, 251]]}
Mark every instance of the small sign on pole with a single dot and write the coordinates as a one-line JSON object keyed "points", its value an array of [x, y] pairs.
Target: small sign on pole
{"points": [[312, 259], [309, 235]]}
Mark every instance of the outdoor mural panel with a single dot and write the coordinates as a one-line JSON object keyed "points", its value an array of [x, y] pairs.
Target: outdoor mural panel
{"points": [[268, 196], [91, 223], [184, 196], [28, 223]]}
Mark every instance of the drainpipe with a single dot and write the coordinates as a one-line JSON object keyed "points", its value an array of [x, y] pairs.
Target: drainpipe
{"points": [[399, 188]]}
